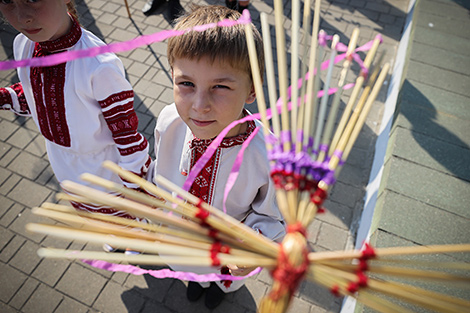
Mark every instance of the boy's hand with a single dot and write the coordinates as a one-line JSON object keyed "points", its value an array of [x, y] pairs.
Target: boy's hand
{"points": [[240, 270]]}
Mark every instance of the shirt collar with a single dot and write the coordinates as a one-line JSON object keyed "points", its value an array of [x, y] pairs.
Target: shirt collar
{"points": [[64, 42]]}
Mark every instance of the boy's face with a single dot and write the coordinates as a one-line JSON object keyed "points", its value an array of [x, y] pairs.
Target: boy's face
{"points": [[209, 96], [38, 20]]}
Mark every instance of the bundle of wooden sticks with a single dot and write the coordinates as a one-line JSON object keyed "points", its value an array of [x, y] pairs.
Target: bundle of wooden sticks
{"points": [[306, 149]]}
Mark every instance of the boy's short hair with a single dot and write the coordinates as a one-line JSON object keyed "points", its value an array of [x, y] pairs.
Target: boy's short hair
{"points": [[224, 44]]}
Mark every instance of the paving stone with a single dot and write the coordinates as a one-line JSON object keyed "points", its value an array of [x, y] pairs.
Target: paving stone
{"points": [[28, 165], [21, 137], [427, 185], [146, 285], [68, 305], [440, 57], [37, 147], [152, 307], [451, 42], [7, 129], [44, 299], [11, 248], [5, 236], [426, 120], [86, 290], [11, 281], [318, 295], [5, 308], [336, 214], [435, 100], [399, 215], [115, 298], [4, 148], [437, 154], [177, 301], [439, 78], [24, 293], [49, 271], [10, 155], [256, 289], [26, 259], [442, 24], [25, 217], [345, 194], [29, 193], [332, 237]]}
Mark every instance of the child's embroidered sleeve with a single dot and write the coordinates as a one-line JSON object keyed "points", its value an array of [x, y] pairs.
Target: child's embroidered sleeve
{"points": [[118, 111], [12, 98]]}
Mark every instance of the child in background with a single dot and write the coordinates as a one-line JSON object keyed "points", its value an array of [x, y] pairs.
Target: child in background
{"points": [[83, 108], [211, 83]]}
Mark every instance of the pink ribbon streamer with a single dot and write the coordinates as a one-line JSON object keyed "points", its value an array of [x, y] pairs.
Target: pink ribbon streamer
{"points": [[165, 273], [143, 40], [236, 167]]}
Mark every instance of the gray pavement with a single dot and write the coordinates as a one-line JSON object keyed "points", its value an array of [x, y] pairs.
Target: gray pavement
{"points": [[31, 284]]}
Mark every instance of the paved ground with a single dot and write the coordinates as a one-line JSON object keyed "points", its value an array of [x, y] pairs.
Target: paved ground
{"points": [[31, 284]]}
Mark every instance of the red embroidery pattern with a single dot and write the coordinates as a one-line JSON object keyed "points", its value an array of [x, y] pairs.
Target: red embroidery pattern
{"points": [[123, 122], [48, 88], [101, 209], [6, 99], [203, 186], [18, 88]]}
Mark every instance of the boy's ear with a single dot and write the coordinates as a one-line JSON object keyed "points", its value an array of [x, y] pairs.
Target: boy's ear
{"points": [[251, 96]]}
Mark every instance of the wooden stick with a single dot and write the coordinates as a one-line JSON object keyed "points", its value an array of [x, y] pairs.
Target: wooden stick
{"points": [[324, 100], [315, 99], [352, 99], [295, 67], [351, 133], [337, 97], [133, 208], [104, 224], [386, 252], [365, 111], [303, 73], [312, 83], [270, 75], [282, 68], [408, 293], [141, 245], [126, 192], [238, 229], [153, 259], [127, 8], [323, 277], [281, 197], [257, 81], [398, 271]]}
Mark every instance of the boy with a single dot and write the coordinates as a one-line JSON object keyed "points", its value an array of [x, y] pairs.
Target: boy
{"points": [[212, 82]]}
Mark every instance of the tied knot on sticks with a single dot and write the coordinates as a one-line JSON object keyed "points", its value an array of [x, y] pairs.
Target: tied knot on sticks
{"points": [[202, 214], [216, 248], [292, 263], [361, 278]]}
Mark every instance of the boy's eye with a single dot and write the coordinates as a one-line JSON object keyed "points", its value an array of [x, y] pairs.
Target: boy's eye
{"points": [[222, 87], [6, 1], [186, 84]]}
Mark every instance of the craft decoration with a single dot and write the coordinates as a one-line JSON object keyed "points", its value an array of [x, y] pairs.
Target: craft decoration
{"points": [[306, 156]]}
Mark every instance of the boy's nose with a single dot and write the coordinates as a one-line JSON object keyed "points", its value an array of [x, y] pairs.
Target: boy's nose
{"points": [[24, 13], [201, 102]]}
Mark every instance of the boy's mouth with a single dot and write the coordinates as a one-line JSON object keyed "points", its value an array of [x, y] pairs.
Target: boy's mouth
{"points": [[33, 31], [201, 123]]}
